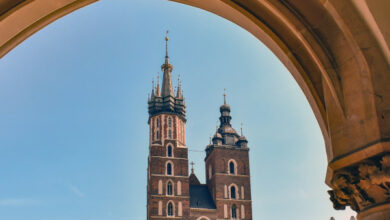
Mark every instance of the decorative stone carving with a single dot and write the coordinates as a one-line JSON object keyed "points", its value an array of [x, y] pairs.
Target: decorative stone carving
{"points": [[363, 185]]}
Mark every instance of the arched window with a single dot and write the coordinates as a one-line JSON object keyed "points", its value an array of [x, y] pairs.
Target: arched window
{"points": [[234, 211], [233, 192], [169, 122], [169, 151], [169, 169], [169, 188], [231, 167], [170, 209]]}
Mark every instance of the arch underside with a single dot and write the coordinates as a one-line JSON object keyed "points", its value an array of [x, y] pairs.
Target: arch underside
{"points": [[337, 51]]}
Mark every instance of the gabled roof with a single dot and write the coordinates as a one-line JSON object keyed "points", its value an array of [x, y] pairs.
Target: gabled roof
{"points": [[200, 197], [194, 180]]}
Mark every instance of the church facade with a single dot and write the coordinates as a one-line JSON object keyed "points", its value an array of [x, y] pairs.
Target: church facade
{"points": [[173, 193]]}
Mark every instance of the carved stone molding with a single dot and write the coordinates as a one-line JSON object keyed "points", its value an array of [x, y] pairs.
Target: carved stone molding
{"points": [[363, 185]]}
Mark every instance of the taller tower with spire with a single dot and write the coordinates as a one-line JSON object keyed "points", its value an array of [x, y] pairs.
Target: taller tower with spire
{"points": [[171, 192], [168, 180]]}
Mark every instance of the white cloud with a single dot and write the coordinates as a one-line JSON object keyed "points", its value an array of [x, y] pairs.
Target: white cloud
{"points": [[76, 191], [18, 202], [344, 215]]}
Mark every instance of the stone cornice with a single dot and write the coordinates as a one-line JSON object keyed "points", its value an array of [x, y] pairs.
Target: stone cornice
{"points": [[171, 158], [161, 175]]}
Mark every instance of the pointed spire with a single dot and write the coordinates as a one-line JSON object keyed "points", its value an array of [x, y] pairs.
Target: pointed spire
{"points": [[158, 91], [241, 128], [166, 48], [179, 92], [167, 69], [152, 88]]}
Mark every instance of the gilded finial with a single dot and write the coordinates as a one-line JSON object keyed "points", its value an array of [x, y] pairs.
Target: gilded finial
{"points": [[166, 45]]}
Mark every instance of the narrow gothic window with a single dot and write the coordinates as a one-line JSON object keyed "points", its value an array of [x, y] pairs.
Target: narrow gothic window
{"points": [[169, 188], [170, 209], [169, 151], [158, 123], [233, 192], [169, 134], [157, 136], [169, 122], [231, 167], [169, 169], [234, 211]]}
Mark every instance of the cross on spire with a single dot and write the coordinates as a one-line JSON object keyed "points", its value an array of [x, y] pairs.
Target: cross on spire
{"points": [[224, 96], [192, 167]]}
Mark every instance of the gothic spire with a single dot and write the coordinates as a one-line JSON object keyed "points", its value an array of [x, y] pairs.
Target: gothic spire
{"points": [[152, 89], [167, 69], [179, 95], [158, 91]]}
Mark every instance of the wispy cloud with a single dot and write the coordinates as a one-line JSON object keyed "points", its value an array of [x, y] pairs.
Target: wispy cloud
{"points": [[76, 191], [18, 202]]}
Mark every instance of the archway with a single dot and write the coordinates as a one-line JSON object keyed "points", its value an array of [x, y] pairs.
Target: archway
{"points": [[337, 52]]}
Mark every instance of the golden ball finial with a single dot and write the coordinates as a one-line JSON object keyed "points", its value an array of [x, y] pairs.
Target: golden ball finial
{"points": [[166, 38]]}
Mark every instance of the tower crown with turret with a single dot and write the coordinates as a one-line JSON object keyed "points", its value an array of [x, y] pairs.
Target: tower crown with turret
{"points": [[225, 135], [164, 100]]}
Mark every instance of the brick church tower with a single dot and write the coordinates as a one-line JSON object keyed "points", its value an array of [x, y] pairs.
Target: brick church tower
{"points": [[227, 170], [168, 188], [171, 192]]}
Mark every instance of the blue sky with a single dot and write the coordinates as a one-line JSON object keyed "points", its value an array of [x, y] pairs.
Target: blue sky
{"points": [[73, 121]]}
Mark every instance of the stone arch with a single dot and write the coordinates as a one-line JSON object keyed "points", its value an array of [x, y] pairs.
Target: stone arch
{"points": [[203, 218], [337, 51]]}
